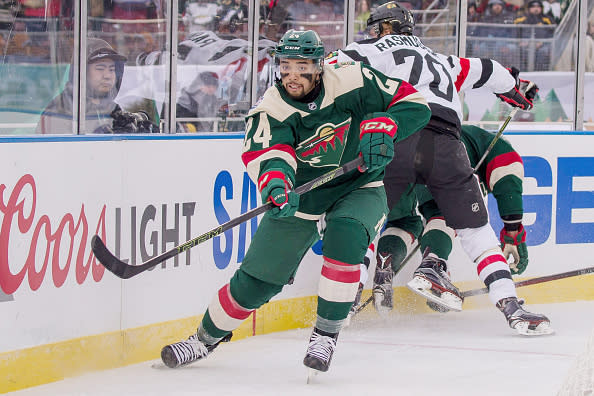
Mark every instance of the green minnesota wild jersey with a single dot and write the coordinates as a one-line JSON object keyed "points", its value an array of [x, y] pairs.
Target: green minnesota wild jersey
{"points": [[306, 140], [502, 171]]}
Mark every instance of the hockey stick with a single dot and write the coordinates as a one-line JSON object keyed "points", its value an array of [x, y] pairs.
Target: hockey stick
{"points": [[370, 299], [534, 281], [496, 138], [125, 271]]}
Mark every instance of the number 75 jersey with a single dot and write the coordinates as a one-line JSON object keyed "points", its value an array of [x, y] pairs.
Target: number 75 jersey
{"points": [[436, 76]]}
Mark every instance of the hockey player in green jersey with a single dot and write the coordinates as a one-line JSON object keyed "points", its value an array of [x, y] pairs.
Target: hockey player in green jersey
{"points": [[501, 174], [314, 119]]}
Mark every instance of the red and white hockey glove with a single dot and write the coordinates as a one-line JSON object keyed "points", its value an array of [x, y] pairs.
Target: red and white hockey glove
{"points": [[514, 243], [522, 94], [377, 134], [276, 188]]}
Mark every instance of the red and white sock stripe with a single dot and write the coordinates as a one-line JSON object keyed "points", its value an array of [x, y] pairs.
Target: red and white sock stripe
{"points": [[493, 270], [339, 281], [225, 312]]}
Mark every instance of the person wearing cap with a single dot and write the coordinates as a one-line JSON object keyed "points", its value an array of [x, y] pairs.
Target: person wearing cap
{"points": [[199, 100], [536, 37], [105, 68], [498, 46]]}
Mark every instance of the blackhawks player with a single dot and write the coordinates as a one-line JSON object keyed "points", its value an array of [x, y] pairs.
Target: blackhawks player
{"points": [[312, 120], [440, 159]]}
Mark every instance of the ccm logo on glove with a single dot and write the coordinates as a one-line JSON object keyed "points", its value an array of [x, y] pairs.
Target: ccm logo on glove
{"points": [[379, 124], [377, 132]]}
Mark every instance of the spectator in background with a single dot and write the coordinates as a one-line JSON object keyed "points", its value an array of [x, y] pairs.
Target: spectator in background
{"points": [[472, 17], [199, 100], [533, 38], [105, 68], [472, 13], [500, 44], [552, 10], [199, 15], [231, 15]]}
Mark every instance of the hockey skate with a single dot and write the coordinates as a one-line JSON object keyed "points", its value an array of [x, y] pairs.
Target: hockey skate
{"points": [[383, 292], [432, 281], [319, 351], [524, 322], [188, 351]]}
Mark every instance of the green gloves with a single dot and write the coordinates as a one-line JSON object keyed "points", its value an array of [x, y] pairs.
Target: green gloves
{"points": [[516, 246], [276, 188], [377, 136]]}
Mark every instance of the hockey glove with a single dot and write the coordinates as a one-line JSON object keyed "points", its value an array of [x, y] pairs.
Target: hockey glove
{"points": [[522, 94], [377, 135], [274, 187], [516, 247]]}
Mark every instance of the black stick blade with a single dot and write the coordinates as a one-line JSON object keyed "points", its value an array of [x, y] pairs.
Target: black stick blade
{"points": [[108, 260]]}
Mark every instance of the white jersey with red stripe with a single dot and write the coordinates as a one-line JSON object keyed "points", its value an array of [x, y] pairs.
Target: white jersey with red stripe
{"points": [[438, 77]]}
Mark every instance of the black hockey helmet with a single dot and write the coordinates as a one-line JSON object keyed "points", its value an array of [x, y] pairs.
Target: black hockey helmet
{"points": [[393, 13]]}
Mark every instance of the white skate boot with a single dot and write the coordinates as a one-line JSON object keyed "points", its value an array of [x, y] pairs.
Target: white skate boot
{"points": [[432, 281]]}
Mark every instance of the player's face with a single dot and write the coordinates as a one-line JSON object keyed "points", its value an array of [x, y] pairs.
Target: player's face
{"points": [[298, 76], [101, 77]]}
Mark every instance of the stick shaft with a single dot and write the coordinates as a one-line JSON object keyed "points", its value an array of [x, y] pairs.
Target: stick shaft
{"points": [[496, 138], [125, 270], [534, 281]]}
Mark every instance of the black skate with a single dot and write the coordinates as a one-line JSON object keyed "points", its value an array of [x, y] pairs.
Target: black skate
{"points": [[383, 292], [188, 351], [524, 322], [320, 350], [432, 281]]}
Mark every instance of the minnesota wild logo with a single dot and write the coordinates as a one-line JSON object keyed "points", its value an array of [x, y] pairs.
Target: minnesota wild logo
{"points": [[326, 146]]}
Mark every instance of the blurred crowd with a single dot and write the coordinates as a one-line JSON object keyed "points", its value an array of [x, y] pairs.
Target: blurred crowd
{"points": [[214, 54], [514, 32]]}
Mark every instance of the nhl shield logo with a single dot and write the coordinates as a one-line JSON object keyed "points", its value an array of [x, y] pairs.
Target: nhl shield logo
{"points": [[326, 146]]}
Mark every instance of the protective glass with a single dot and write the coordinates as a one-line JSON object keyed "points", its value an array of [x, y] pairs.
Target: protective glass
{"points": [[297, 66]]}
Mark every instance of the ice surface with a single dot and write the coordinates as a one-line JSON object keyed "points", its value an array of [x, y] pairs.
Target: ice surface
{"points": [[472, 352]]}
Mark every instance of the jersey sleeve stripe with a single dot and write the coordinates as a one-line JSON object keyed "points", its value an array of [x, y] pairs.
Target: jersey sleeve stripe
{"points": [[487, 70], [504, 164], [253, 159], [515, 169], [465, 66], [407, 93]]}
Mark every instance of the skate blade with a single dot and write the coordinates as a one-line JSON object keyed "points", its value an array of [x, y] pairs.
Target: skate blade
{"points": [[311, 375], [422, 287], [542, 329]]}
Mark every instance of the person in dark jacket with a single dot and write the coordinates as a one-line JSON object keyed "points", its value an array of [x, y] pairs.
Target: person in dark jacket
{"points": [[105, 68], [535, 38]]}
